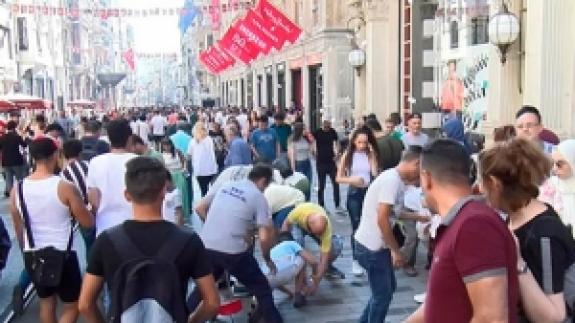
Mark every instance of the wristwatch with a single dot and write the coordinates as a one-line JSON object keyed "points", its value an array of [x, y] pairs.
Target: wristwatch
{"points": [[522, 269]]}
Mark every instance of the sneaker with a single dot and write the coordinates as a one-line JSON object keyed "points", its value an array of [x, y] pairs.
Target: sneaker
{"points": [[18, 300], [419, 298], [333, 273], [410, 272], [356, 269], [299, 300]]}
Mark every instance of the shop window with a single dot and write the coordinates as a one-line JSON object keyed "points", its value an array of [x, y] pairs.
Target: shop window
{"points": [[479, 30], [22, 28], [454, 34]]}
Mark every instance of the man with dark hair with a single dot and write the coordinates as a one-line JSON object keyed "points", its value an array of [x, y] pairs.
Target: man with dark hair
{"points": [[282, 130], [76, 171], [327, 146], [44, 206], [390, 148], [92, 145], [106, 179], [13, 162], [472, 283], [414, 136], [139, 147], [145, 182], [264, 142], [376, 248], [239, 152], [529, 125], [229, 236]]}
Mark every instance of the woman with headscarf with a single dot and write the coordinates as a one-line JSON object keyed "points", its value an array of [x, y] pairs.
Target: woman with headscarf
{"points": [[563, 181], [454, 129]]}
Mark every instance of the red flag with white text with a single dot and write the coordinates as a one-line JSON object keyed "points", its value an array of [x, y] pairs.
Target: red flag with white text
{"points": [[275, 36], [279, 20], [254, 36], [239, 46]]}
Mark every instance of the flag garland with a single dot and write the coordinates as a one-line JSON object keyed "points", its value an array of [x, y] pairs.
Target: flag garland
{"points": [[262, 30]]}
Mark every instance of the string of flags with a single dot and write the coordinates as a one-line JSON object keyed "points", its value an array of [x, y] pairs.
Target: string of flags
{"points": [[262, 30], [105, 13]]}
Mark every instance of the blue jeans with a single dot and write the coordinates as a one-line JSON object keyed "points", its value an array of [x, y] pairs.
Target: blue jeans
{"points": [[354, 205], [246, 269], [304, 167], [280, 216], [381, 282]]}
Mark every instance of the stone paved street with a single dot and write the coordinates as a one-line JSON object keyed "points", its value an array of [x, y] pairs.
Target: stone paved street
{"points": [[337, 301]]}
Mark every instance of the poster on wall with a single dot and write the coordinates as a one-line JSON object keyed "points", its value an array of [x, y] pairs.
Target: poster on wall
{"points": [[464, 85]]}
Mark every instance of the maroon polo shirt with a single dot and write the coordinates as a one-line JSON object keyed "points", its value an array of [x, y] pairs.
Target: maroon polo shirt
{"points": [[473, 242]]}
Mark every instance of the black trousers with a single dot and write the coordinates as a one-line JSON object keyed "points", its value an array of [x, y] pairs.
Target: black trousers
{"points": [[324, 169], [204, 182]]}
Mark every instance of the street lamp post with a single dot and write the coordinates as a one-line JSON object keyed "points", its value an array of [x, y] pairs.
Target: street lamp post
{"points": [[356, 59], [504, 29]]}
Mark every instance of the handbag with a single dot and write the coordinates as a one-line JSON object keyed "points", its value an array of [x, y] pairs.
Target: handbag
{"points": [[45, 265]]}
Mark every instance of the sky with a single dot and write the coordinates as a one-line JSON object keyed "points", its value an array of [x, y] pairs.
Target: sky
{"points": [[155, 34]]}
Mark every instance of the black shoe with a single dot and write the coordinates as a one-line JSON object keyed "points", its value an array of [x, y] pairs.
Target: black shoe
{"points": [[333, 272], [299, 300], [18, 300]]}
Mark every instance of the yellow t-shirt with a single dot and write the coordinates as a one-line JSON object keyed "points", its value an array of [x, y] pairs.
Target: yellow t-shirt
{"points": [[299, 216]]}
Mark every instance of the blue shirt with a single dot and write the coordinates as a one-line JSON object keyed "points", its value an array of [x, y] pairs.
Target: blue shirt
{"points": [[265, 143], [239, 153], [181, 141]]}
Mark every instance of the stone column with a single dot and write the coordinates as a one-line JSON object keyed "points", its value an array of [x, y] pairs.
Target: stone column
{"points": [[550, 49], [288, 86], [382, 57], [275, 89], [305, 96], [255, 89]]}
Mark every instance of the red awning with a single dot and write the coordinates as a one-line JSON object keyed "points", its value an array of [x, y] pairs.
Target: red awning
{"points": [[23, 101], [7, 106]]}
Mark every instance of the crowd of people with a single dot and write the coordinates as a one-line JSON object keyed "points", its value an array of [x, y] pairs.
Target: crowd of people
{"points": [[497, 222]]}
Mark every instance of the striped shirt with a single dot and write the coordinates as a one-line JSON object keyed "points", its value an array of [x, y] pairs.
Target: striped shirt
{"points": [[76, 173]]}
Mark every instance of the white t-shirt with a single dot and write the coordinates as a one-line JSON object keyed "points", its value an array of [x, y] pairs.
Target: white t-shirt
{"points": [[387, 188], [203, 157], [281, 196], [172, 201], [142, 130], [158, 124], [106, 173], [243, 121]]}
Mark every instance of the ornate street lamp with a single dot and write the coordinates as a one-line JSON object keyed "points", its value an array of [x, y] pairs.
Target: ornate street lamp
{"points": [[503, 30], [356, 59]]}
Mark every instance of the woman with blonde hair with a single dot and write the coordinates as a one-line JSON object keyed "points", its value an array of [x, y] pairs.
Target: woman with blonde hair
{"points": [[563, 181], [202, 152], [511, 173]]}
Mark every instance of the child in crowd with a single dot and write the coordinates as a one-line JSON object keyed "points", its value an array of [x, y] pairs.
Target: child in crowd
{"points": [[172, 206], [290, 260]]}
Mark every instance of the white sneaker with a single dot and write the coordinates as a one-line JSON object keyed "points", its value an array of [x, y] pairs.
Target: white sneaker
{"points": [[356, 269], [419, 298]]}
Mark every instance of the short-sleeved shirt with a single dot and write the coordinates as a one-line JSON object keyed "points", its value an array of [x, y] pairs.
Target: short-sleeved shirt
{"points": [[410, 140], [283, 132], [236, 210], [282, 196], [283, 254], [172, 201], [387, 188], [265, 143], [472, 243], [106, 173], [158, 124], [324, 143], [299, 215], [192, 262], [547, 229]]}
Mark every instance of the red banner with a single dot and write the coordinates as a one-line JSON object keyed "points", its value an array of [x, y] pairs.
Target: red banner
{"points": [[204, 60], [239, 46], [279, 20], [129, 59], [219, 57], [230, 60], [213, 62], [277, 39], [255, 37]]}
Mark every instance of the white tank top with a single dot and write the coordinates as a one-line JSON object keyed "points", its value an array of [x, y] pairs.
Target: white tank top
{"points": [[50, 219], [360, 167]]}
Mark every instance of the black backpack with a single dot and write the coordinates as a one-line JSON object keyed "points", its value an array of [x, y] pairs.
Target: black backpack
{"points": [[147, 289]]}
